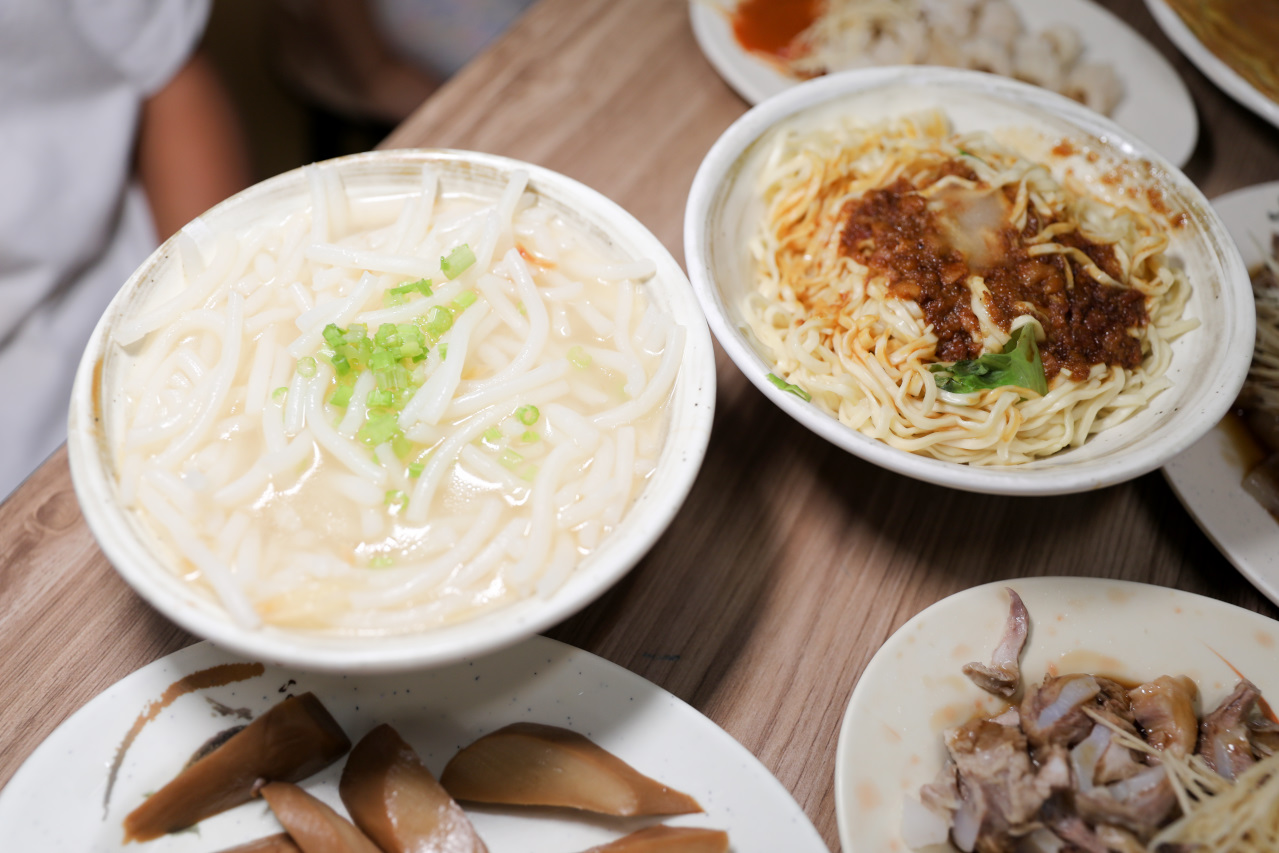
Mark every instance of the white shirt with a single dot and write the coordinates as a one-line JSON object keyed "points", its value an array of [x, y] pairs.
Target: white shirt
{"points": [[73, 224]]}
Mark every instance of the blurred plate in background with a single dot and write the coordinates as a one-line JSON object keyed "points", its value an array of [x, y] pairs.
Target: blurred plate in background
{"points": [[1208, 477], [1225, 69], [1156, 106]]}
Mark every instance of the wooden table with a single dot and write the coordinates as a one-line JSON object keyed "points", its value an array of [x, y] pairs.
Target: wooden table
{"points": [[791, 561]]}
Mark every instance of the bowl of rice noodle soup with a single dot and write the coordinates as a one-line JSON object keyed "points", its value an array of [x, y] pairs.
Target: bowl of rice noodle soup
{"points": [[392, 410], [968, 280]]}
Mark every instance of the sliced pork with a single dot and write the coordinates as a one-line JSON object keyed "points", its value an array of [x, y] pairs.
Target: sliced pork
{"points": [[1054, 713], [1165, 710], [1223, 734], [1003, 676], [999, 786]]}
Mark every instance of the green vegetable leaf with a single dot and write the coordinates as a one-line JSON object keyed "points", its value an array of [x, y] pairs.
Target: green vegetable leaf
{"points": [[787, 386], [1019, 364]]}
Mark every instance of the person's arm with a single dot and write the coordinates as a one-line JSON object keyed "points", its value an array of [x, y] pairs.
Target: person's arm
{"points": [[191, 151], [334, 54]]}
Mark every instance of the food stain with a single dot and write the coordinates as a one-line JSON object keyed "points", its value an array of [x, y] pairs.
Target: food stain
{"points": [[1118, 596], [1082, 660], [228, 711], [867, 796], [214, 676]]}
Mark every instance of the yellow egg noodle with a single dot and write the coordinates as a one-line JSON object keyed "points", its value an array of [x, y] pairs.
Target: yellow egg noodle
{"points": [[834, 330]]}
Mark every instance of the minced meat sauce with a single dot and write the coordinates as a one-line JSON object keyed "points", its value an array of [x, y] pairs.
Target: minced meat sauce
{"points": [[928, 258]]}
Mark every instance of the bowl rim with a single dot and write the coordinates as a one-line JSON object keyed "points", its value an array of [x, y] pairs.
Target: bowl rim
{"points": [[718, 170], [645, 521]]}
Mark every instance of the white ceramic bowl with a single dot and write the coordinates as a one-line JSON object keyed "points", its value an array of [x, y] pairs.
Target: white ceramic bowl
{"points": [[96, 425], [1209, 362]]}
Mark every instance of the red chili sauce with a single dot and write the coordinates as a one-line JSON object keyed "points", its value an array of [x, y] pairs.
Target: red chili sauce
{"points": [[897, 235], [769, 26]]}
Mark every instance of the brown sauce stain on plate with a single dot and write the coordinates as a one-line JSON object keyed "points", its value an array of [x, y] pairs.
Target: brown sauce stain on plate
{"points": [[1093, 663], [868, 798], [215, 676], [770, 26]]}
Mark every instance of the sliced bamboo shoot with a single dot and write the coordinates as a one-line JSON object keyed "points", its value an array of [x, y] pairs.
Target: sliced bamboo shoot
{"points": [[289, 742], [668, 839], [529, 764], [314, 827], [396, 801]]}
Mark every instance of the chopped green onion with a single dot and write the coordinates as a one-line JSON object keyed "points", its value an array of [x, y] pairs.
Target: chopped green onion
{"points": [[529, 473], [457, 261], [465, 299], [341, 395], [786, 386], [333, 335], [422, 286], [306, 367], [530, 437], [438, 321], [396, 499], [380, 428], [444, 351], [579, 357], [381, 561], [415, 469], [527, 415], [388, 335], [509, 459], [492, 435], [278, 395]]}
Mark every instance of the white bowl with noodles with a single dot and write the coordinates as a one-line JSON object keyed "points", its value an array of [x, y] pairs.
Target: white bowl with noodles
{"points": [[1082, 151], [328, 534]]}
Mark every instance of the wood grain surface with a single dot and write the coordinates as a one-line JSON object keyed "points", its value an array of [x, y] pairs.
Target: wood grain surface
{"points": [[791, 561]]}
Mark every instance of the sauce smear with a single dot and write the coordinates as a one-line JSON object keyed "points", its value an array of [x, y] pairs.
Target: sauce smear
{"points": [[769, 26], [928, 250]]}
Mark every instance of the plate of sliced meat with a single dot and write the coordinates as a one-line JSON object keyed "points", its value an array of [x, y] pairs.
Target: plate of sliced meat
{"points": [[1049, 714]]}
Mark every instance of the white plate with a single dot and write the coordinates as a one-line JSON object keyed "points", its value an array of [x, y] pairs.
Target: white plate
{"points": [[1156, 107], [55, 801], [1213, 67], [890, 742], [1208, 476]]}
